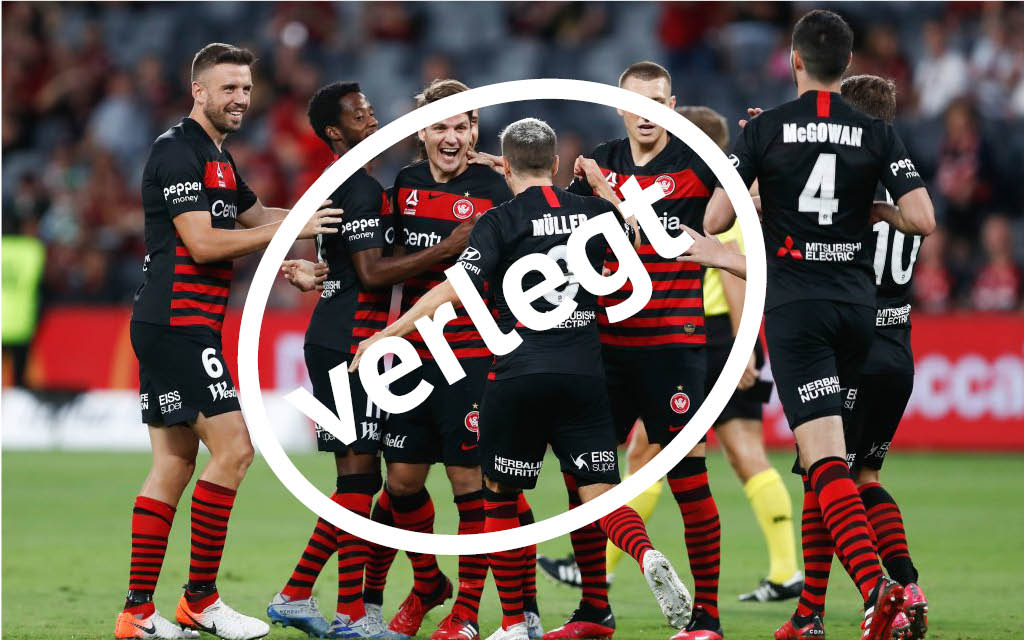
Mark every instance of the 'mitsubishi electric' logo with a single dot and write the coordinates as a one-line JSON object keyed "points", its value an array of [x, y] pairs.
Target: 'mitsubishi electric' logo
{"points": [[788, 250], [680, 402], [463, 208], [667, 183]]}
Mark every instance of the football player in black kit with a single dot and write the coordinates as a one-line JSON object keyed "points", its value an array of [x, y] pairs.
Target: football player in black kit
{"points": [[888, 375], [818, 162], [558, 370], [655, 361], [353, 305], [193, 199]]}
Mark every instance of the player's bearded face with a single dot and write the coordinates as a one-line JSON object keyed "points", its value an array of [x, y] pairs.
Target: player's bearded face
{"points": [[227, 96], [641, 129], [447, 143]]}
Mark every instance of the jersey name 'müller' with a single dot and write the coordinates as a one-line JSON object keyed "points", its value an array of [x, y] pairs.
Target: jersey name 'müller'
{"points": [[186, 172], [426, 212], [674, 317]]}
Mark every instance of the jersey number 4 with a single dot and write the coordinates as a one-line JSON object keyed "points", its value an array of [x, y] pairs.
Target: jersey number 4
{"points": [[823, 180]]}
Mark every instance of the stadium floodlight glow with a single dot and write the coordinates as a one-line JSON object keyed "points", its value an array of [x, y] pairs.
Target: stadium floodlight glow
{"points": [[516, 91]]}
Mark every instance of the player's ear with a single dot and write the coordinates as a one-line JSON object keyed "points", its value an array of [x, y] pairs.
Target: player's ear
{"points": [[422, 135], [672, 102], [506, 168], [796, 61], [554, 166], [849, 61], [197, 91], [333, 132]]}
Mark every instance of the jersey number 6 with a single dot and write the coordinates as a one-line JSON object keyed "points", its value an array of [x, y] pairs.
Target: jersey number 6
{"points": [[211, 363]]}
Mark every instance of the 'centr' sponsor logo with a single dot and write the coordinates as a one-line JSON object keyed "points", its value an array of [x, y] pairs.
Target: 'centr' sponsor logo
{"points": [[420, 238], [221, 209]]}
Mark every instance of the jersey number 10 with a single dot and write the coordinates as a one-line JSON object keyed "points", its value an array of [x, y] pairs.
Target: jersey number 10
{"points": [[900, 275], [823, 179]]}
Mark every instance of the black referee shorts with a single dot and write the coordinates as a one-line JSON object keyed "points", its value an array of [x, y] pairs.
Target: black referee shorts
{"points": [[747, 403]]}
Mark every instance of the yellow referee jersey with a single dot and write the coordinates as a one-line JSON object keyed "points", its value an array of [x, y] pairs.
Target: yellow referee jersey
{"points": [[714, 296]]}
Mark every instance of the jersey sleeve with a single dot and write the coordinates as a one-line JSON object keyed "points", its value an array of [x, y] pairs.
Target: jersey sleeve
{"points": [[899, 175], [744, 153], [244, 196], [366, 207], [483, 251], [178, 172], [580, 187]]}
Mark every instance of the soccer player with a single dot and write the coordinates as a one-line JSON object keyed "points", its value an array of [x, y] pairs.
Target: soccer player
{"points": [[354, 304], [818, 161], [193, 197], [655, 361], [888, 375], [739, 426], [548, 390], [429, 199]]}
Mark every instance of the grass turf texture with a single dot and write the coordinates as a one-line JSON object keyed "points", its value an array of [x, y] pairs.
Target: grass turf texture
{"points": [[66, 535]]}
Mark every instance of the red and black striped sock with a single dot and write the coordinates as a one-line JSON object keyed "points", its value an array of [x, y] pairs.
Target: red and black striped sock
{"points": [[355, 493], [151, 524], [887, 524], [529, 553], [500, 513], [379, 564], [846, 520], [689, 483], [321, 546], [472, 569], [817, 551], [626, 529], [416, 513], [588, 547], [211, 508]]}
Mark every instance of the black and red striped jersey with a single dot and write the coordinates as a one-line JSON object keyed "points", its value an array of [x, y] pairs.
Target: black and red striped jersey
{"points": [[186, 172], [426, 212], [674, 317], [818, 162], [539, 221], [347, 312]]}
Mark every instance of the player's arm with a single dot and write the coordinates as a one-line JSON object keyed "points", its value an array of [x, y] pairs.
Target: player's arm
{"points": [[734, 290], [710, 252], [719, 214], [913, 213], [305, 275], [587, 169], [375, 270], [206, 243], [259, 215]]}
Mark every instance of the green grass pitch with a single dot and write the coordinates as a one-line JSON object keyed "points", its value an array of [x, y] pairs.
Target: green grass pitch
{"points": [[66, 519]]}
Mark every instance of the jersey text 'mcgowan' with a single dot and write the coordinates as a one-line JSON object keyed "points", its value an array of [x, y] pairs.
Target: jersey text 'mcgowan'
{"points": [[822, 132]]}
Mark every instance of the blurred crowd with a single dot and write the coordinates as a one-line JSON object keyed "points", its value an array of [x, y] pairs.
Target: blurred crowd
{"points": [[87, 87]]}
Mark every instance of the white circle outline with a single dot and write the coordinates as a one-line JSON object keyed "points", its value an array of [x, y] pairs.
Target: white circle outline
{"points": [[500, 93]]}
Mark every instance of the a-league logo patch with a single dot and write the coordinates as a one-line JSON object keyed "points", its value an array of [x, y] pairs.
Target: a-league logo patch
{"points": [[463, 208], [667, 184], [472, 421], [680, 402]]}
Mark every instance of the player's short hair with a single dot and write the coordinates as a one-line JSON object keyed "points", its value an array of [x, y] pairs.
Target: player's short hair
{"points": [[873, 95], [529, 145], [437, 89], [219, 53], [645, 70], [325, 107], [710, 122], [824, 41]]}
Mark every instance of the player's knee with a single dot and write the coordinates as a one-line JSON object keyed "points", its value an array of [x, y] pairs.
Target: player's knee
{"points": [[174, 469], [399, 485], [464, 479]]}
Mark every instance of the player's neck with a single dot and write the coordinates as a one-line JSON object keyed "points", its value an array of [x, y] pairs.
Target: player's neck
{"points": [[442, 176], [644, 153], [519, 184], [216, 136], [803, 85]]}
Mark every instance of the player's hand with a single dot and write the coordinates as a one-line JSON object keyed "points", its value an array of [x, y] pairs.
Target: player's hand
{"points": [[587, 168], [881, 212], [497, 163], [322, 221], [457, 239], [752, 112], [749, 376], [305, 275], [361, 349], [706, 249]]}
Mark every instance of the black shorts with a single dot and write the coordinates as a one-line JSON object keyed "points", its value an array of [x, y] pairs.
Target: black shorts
{"points": [[665, 387], [444, 427], [521, 416], [748, 403], [881, 400], [369, 419], [817, 349], [181, 374]]}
